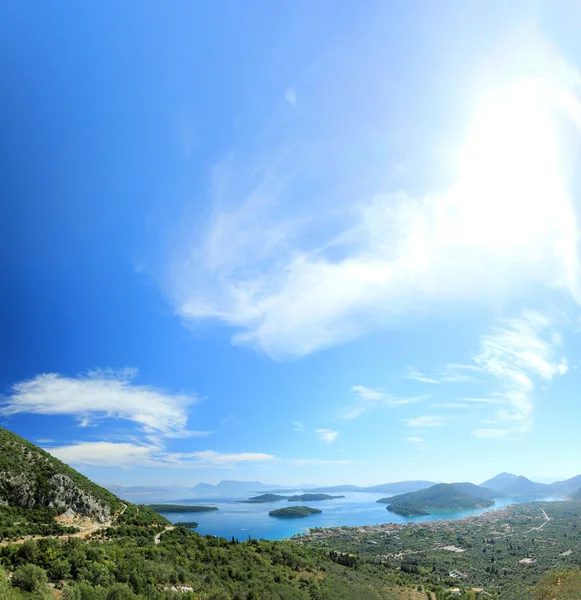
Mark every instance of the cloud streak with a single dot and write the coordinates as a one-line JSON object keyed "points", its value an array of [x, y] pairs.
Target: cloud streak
{"points": [[128, 455], [102, 394], [368, 399], [518, 353]]}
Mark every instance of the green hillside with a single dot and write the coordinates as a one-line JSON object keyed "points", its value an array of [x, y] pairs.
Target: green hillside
{"points": [[442, 496], [31, 478], [576, 495]]}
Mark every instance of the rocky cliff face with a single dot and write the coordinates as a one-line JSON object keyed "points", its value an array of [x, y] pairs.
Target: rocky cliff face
{"points": [[32, 478]]}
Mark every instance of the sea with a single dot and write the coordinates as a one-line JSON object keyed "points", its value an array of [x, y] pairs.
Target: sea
{"points": [[243, 521]]}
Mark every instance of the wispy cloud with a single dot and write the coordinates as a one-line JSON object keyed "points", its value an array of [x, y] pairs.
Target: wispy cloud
{"points": [[293, 276], [298, 426], [516, 354], [290, 96], [101, 394], [127, 455], [425, 421], [316, 462], [419, 376], [327, 435], [452, 373], [369, 398], [414, 440]]}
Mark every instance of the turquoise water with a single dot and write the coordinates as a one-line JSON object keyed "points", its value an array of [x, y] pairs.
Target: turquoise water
{"points": [[235, 519]]}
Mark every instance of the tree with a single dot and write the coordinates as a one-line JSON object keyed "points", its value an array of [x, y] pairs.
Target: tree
{"points": [[5, 591], [121, 592], [29, 578]]}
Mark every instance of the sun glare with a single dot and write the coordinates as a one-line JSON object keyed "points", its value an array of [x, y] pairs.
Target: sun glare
{"points": [[511, 177]]}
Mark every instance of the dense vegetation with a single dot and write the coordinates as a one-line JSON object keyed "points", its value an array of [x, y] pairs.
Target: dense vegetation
{"points": [[559, 585], [32, 478], [312, 497], [17, 522], [443, 496], [133, 567], [177, 508], [263, 498], [506, 552], [294, 512]]}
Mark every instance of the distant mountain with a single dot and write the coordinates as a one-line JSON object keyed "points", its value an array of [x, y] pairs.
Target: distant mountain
{"points": [[478, 491], [31, 478], [510, 484], [576, 495], [568, 486], [442, 496], [337, 488], [399, 487]]}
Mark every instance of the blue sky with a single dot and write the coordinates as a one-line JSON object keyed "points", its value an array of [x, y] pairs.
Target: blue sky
{"points": [[305, 242]]}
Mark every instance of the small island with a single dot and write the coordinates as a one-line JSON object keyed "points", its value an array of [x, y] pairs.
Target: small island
{"points": [[294, 512], [187, 524], [264, 498], [312, 497], [178, 508], [443, 496]]}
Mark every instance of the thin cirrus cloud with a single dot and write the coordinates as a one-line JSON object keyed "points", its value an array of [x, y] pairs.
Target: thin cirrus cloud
{"points": [[414, 440], [298, 426], [128, 454], [425, 421], [517, 354], [102, 394], [291, 277], [368, 399], [327, 435]]}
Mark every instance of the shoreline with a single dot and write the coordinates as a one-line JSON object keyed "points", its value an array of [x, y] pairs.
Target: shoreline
{"points": [[388, 527]]}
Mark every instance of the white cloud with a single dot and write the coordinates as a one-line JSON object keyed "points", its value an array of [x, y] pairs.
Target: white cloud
{"points": [[305, 250], [415, 440], [516, 354], [425, 421], [127, 455], [290, 96], [418, 376], [316, 462], [369, 398], [298, 426], [327, 435], [101, 393]]}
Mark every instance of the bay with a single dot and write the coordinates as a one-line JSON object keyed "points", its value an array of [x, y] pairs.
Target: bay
{"points": [[241, 520]]}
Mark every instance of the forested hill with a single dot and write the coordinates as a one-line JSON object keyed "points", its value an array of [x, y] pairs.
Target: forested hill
{"points": [[31, 478], [443, 496]]}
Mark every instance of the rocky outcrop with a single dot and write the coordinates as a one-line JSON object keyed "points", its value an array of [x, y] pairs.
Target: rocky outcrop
{"points": [[31, 478]]}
